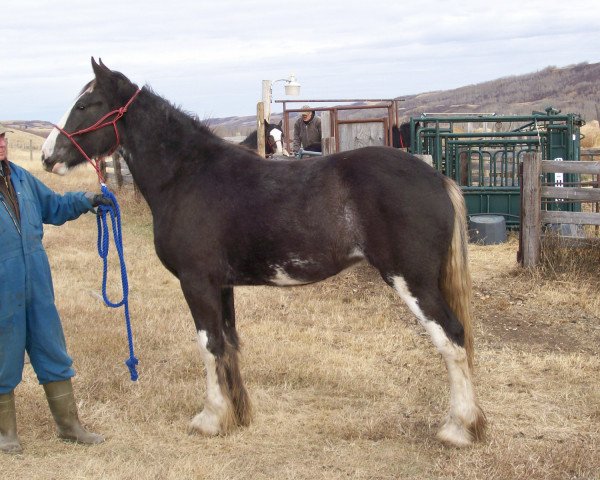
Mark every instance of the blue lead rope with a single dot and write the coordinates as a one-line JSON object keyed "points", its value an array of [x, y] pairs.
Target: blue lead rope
{"points": [[103, 244]]}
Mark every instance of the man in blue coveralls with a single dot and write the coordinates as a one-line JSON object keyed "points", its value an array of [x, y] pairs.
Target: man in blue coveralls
{"points": [[29, 320]]}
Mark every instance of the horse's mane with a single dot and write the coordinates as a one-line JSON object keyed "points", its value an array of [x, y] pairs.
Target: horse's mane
{"points": [[200, 132], [176, 112]]}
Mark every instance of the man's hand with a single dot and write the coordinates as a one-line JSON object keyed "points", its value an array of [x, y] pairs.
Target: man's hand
{"points": [[97, 199]]}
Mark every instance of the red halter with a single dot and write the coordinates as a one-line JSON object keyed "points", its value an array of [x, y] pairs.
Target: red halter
{"points": [[103, 122]]}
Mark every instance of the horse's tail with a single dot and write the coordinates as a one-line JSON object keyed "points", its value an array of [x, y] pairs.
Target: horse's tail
{"points": [[455, 281]]}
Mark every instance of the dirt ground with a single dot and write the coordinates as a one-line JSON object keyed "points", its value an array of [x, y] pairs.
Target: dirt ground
{"points": [[515, 307]]}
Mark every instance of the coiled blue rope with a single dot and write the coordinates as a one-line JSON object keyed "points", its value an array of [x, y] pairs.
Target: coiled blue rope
{"points": [[103, 244]]}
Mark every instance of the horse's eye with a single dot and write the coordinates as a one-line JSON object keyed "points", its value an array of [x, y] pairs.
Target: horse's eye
{"points": [[80, 106]]}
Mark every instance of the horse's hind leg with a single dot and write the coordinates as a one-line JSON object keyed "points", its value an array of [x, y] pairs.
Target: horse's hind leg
{"points": [[465, 421], [239, 396], [226, 403]]}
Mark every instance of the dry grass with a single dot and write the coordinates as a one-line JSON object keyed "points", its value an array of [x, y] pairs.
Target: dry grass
{"points": [[591, 135], [344, 383]]}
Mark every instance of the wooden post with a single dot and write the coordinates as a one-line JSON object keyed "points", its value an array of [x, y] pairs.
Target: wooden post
{"points": [[117, 169], [327, 138], [30, 149], [531, 227], [102, 167], [266, 99], [260, 129]]}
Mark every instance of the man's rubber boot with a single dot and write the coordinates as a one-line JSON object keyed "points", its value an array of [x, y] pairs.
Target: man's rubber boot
{"points": [[9, 442], [64, 410]]}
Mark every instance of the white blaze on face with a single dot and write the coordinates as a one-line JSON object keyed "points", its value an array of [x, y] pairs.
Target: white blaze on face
{"points": [[277, 136], [50, 143]]}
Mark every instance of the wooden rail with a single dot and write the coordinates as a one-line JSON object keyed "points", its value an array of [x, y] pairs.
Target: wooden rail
{"points": [[532, 215]]}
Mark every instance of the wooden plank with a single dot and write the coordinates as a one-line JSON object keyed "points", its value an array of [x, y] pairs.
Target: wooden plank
{"points": [[357, 134], [327, 137], [531, 227], [577, 218], [589, 152], [552, 166], [266, 99], [260, 129], [572, 193]]}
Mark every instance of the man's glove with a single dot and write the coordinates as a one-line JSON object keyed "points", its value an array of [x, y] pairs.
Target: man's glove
{"points": [[97, 199]]}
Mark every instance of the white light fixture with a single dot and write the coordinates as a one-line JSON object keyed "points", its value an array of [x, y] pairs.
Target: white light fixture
{"points": [[292, 87]]}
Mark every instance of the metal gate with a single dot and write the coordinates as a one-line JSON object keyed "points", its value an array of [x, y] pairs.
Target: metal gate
{"points": [[482, 152]]}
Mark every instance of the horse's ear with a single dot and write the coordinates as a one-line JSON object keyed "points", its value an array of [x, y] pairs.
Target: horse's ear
{"points": [[280, 124], [101, 71], [95, 66]]}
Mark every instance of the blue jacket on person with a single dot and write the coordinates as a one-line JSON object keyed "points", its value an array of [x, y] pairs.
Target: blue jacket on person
{"points": [[29, 320]]}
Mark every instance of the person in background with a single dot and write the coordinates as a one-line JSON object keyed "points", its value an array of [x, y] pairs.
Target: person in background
{"points": [[307, 131], [29, 321]]}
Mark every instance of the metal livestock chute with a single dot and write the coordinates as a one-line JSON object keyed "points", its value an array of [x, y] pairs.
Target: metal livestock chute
{"points": [[482, 152]]}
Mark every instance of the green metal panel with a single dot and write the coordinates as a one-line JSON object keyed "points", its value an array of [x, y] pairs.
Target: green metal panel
{"points": [[482, 153], [499, 201]]}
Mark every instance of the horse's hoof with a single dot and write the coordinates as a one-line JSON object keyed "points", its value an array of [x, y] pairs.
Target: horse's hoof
{"points": [[206, 424], [455, 434]]}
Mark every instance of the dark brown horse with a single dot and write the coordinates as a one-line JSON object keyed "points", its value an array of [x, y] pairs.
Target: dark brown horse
{"points": [[401, 136], [273, 139], [223, 217]]}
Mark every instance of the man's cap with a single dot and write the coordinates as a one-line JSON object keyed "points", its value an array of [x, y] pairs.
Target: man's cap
{"points": [[306, 109], [3, 130]]}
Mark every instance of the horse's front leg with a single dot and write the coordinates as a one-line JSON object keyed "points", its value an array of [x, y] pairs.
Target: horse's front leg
{"points": [[226, 395]]}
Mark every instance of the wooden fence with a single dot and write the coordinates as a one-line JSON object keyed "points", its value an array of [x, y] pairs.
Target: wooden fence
{"points": [[532, 214], [116, 173], [592, 154]]}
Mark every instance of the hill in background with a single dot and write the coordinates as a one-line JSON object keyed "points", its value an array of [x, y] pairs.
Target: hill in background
{"points": [[572, 89]]}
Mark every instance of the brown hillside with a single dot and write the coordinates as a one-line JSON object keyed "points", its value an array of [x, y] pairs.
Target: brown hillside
{"points": [[573, 89]]}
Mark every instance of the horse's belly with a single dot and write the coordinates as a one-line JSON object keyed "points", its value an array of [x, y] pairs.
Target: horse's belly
{"points": [[301, 271]]}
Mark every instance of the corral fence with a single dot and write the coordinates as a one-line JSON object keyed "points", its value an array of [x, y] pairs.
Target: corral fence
{"points": [[30, 145], [116, 172], [591, 154], [542, 193], [350, 124], [482, 152]]}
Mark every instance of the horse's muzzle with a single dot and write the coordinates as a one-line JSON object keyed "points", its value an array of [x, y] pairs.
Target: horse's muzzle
{"points": [[58, 168]]}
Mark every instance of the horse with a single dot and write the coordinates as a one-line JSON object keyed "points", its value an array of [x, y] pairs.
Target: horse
{"points": [[223, 217], [273, 139], [401, 136]]}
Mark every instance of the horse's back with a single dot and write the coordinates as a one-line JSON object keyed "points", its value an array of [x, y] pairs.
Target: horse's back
{"points": [[394, 180], [401, 205]]}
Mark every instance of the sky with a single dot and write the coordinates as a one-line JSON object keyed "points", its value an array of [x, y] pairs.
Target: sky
{"points": [[210, 57]]}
